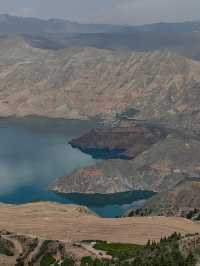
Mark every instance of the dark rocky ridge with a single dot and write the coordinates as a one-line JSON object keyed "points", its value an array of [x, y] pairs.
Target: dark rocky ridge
{"points": [[125, 140], [156, 166], [100, 200]]}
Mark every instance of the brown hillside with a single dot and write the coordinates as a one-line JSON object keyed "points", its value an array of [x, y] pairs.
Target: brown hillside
{"points": [[86, 82], [41, 220]]}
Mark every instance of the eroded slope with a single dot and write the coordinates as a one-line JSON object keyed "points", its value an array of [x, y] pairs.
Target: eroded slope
{"points": [[85, 82]]}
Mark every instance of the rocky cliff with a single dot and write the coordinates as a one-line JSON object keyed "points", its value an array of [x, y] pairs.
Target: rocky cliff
{"points": [[124, 140]]}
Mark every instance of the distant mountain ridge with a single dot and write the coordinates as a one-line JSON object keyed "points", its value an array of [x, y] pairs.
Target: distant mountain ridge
{"points": [[32, 25], [186, 26], [26, 25], [182, 38]]}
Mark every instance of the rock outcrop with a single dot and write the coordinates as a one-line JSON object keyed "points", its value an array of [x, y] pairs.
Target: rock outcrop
{"points": [[125, 140], [156, 166]]}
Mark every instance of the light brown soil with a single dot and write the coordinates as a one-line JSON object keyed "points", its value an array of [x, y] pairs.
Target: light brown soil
{"points": [[7, 261], [73, 224], [11, 261]]}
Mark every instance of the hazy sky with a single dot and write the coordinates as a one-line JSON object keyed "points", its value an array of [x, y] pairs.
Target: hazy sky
{"points": [[106, 11]]}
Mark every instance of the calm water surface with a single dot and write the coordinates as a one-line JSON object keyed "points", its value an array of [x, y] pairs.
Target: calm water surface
{"points": [[35, 151]]}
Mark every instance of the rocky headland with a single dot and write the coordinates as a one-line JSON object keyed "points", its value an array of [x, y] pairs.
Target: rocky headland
{"points": [[122, 140], [147, 157]]}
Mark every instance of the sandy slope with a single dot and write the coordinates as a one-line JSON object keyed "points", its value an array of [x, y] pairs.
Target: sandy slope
{"points": [[73, 223]]}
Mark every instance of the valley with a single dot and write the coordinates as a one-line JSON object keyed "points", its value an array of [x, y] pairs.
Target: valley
{"points": [[100, 143], [35, 150]]}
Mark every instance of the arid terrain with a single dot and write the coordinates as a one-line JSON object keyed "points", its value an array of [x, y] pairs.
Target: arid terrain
{"points": [[161, 86], [78, 223], [85, 82], [30, 231], [142, 86], [41, 231], [182, 200]]}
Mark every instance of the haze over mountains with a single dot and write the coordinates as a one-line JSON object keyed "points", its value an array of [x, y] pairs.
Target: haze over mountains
{"points": [[15, 24], [61, 69], [183, 38], [25, 25]]}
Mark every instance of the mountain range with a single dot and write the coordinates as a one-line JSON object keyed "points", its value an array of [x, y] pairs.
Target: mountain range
{"points": [[143, 82], [142, 86], [31, 25], [182, 38], [88, 82], [27, 25]]}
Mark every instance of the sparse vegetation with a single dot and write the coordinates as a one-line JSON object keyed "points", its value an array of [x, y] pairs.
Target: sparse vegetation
{"points": [[118, 250], [175, 250], [68, 262], [89, 261], [6, 247], [47, 260], [172, 202], [164, 253], [42, 250], [129, 112]]}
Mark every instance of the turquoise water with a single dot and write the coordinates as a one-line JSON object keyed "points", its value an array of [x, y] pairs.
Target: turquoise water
{"points": [[35, 151]]}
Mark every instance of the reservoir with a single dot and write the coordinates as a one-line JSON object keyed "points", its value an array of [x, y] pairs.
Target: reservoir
{"points": [[34, 151]]}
